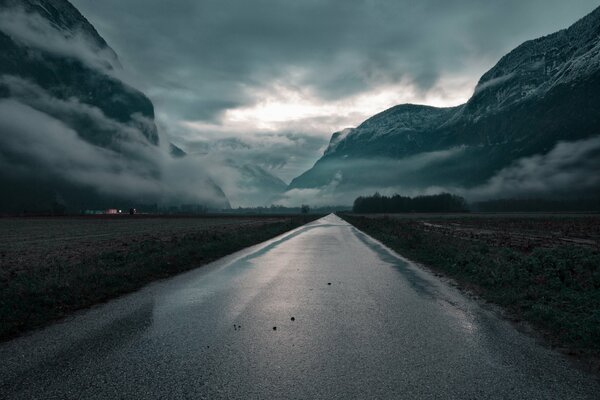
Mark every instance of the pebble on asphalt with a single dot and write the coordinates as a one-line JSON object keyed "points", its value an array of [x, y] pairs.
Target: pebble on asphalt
{"points": [[293, 319], [274, 328], [329, 283]]}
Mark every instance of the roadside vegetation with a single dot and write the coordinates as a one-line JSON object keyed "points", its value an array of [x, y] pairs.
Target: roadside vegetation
{"points": [[50, 267], [545, 270], [538, 205]]}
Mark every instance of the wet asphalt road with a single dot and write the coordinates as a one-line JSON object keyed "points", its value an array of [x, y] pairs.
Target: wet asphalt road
{"points": [[383, 328]]}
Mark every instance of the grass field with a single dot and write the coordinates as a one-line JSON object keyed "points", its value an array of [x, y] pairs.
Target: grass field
{"points": [[519, 231], [542, 269], [50, 267]]}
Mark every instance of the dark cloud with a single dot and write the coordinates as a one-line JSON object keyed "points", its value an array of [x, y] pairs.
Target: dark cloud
{"points": [[216, 49], [199, 60]]}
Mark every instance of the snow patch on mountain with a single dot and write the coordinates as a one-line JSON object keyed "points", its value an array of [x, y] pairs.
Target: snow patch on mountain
{"points": [[404, 118]]}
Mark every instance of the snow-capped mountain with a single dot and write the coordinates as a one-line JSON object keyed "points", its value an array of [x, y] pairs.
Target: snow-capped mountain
{"points": [[538, 66], [539, 98]]}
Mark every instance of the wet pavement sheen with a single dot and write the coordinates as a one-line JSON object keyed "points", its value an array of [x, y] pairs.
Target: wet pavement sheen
{"points": [[367, 324]]}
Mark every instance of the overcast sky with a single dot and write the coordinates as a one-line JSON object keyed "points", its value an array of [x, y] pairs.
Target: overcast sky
{"points": [[268, 81]]}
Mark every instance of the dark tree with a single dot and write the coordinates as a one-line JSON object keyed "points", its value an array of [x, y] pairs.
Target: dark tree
{"points": [[377, 203]]}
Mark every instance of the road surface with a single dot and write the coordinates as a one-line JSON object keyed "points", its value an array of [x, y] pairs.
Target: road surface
{"points": [[367, 324]]}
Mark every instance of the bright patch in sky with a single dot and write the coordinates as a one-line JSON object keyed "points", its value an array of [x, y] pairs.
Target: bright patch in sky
{"points": [[283, 107]]}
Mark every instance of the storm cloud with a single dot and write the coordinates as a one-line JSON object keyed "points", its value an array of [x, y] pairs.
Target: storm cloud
{"points": [[238, 68], [213, 51], [264, 83]]}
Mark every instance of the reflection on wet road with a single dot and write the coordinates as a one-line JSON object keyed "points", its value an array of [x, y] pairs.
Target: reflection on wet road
{"points": [[323, 311]]}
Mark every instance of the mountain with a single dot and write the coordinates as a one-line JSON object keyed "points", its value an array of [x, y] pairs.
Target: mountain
{"points": [[258, 186], [242, 173], [83, 74], [176, 151], [531, 125], [245, 184], [72, 132]]}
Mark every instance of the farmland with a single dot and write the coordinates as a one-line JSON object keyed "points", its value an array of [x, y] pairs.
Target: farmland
{"points": [[542, 269], [520, 232], [50, 267]]}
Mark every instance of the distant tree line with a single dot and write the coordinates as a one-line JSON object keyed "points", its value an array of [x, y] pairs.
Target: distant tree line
{"points": [[538, 205], [444, 202], [279, 209]]}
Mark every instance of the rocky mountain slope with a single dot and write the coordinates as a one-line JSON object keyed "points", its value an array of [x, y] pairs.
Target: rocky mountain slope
{"points": [[72, 133], [83, 72], [538, 103]]}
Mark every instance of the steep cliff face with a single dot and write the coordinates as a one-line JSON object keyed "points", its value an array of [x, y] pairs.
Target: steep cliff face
{"points": [[49, 46], [72, 134], [537, 66], [544, 92]]}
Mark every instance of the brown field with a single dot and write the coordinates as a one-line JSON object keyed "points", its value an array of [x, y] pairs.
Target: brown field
{"points": [[52, 266], [517, 231], [29, 242]]}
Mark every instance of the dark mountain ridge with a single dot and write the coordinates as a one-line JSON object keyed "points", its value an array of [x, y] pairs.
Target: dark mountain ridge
{"points": [[64, 76], [544, 92], [73, 134]]}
